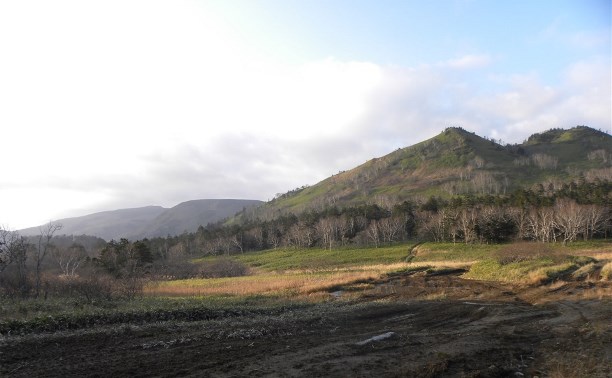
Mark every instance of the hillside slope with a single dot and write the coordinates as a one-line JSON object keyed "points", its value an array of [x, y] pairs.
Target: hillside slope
{"points": [[458, 162], [150, 221], [188, 216], [114, 224]]}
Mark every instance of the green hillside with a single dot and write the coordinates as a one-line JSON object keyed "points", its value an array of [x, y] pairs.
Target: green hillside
{"points": [[459, 162]]}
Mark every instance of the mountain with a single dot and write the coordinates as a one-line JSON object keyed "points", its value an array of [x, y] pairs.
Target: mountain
{"points": [[458, 162], [107, 225], [150, 221], [188, 216]]}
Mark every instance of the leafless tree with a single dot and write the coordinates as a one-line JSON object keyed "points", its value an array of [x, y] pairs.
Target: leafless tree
{"points": [[344, 229], [13, 251], [541, 224], [327, 230], [569, 219], [301, 235], [596, 220], [544, 161], [69, 259], [237, 241], [43, 248], [390, 228], [274, 236], [467, 219], [373, 233], [434, 225], [520, 217], [12, 247], [257, 233]]}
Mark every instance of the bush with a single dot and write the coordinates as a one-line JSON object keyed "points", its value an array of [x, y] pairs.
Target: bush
{"points": [[175, 270], [525, 251], [15, 283], [223, 267], [92, 288]]}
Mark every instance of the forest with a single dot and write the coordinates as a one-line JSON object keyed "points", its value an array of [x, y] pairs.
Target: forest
{"points": [[576, 211]]}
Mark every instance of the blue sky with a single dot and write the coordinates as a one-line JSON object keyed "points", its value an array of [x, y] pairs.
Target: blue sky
{"points": [[521, 35], [113, 104]]}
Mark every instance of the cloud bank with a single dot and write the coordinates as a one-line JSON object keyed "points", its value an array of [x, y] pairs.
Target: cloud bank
{"points": [[101, 112]]}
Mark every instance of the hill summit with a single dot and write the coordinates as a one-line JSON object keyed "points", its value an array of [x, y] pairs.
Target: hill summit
{"points": [[457, 162]]}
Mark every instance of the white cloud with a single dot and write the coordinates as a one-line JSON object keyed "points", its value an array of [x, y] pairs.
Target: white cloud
{"points": [[162, 103]]}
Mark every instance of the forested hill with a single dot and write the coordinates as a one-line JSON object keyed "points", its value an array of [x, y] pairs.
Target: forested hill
{"points": [[458, 162]]}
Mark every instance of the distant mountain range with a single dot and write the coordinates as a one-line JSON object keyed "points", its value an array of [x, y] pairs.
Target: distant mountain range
{"points": [[151, 221], [457, 162]]}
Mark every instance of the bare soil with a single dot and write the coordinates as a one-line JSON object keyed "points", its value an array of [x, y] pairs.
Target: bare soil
{"points": [[428, 326]]}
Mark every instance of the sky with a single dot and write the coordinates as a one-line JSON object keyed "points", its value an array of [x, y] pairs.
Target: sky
{"points": [[119, 104]]}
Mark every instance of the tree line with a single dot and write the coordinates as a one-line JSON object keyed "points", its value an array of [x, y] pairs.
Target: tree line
{"points": [[578, 210]]}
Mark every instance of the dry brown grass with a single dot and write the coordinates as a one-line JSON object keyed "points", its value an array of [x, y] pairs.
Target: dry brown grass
{"points": [[606, 272], [577, 366], [387, 268], [303, 282], [263, 284], [599, 254]]}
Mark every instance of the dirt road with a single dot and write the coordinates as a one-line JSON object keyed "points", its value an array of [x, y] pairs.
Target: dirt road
{"points": [[471, 329]]}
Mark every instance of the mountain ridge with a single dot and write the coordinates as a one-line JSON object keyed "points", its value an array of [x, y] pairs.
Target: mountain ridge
{"points": [[150, 221]]}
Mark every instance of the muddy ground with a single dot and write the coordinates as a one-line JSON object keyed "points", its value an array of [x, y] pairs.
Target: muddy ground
{"points": [[403, 326]]}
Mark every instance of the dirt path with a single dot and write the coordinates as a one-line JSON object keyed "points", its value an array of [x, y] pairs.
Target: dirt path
{"points": [[489, 333]]}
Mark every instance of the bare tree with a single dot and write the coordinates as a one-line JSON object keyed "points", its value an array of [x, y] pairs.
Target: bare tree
{"points": [[344, 229], [544, 161], [390, 228], [69, 259], [596, 220], [300, 235], [327, 230], [569, 219], [434, 225], [44, 245], [257, 233], [10, 247], [13, 251], [238, 241], [373, 233], [467, 221], [520, 217], [541, 223], [274, 236]]}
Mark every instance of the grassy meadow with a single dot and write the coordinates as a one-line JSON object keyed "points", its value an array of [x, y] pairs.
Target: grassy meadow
{"points": [[314, 273], [304, 277]]}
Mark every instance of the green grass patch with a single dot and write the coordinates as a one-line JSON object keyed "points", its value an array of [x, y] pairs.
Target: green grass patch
{"points": [[532, 271], [323, 259], [145, 310], [454, 252]]}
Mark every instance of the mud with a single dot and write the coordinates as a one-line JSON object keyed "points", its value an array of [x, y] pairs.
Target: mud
{"points": [[435, 326]]}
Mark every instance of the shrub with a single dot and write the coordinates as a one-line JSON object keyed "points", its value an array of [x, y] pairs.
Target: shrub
{"points": [[525, 251], [15, 283], [180, 269], [223, 267], [91, 288]]}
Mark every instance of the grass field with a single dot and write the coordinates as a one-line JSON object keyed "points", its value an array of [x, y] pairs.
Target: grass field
{"points": [[289, 276], [311, 274]]}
